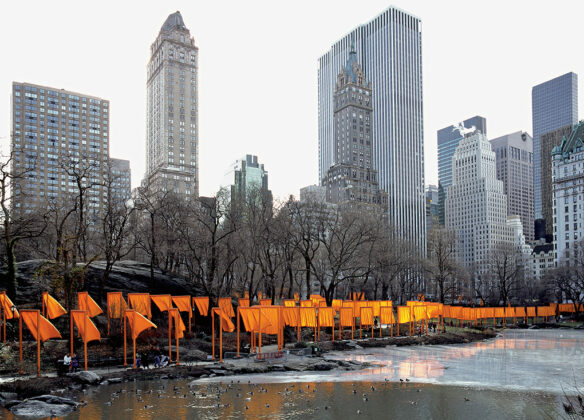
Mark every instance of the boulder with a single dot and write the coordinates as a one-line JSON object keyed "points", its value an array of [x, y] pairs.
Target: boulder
{"points": [[36, 408], [86, 377], [8, 395]]}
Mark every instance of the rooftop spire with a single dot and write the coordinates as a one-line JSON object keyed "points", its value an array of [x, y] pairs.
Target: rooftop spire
{"points": [[173, 21]]}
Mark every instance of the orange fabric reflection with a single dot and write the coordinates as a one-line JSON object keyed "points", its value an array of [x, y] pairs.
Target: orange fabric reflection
{"points": [[226, 307], [116, 305], [140, 302], [163, 302], [87, 304], [326, 317], [202, 304], [44, 331], [53, 308], [138, 323], [82, 320]]}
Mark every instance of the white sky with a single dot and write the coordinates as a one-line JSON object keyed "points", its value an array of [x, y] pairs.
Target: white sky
{"points": [[258, 65]]}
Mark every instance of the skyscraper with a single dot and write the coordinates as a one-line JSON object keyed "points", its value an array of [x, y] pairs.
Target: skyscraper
{"points": [[568, 189], [514, 154], [56, 132], [353, 178], [172, 126], [476, 206], [249, 180], [389, 48], [554, 104], [448, 139]]}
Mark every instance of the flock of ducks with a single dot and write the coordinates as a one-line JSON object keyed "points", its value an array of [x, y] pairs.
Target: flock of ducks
{"points": [[214, 391]]}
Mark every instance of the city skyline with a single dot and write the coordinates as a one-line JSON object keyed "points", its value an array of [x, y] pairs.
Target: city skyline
{"points": [[290, 52]]}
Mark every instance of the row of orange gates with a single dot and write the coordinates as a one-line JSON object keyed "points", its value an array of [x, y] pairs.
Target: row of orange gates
{"points": [[263, 319]]}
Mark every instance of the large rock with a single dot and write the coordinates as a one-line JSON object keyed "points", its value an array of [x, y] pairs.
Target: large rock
{"points": [[86, 377], [44, 406]]}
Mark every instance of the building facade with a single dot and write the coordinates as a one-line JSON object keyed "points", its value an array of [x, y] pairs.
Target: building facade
{"points": [[547, 142], [248, 178], [554, 104], [568, 194], [121, 179], [353, 176], [432, 209], [172, 125], [476, 205], [389, 49], [542, 260], [448, 139], [514, 153], [55, 135]]}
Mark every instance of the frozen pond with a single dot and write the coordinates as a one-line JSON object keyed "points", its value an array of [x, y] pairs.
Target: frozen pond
{"points": [[517, 375]]}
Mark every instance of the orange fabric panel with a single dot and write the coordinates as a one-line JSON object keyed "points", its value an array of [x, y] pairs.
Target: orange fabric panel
{"points": [[265, 302], [289, 303], [376, 305], [53, 308], [251, 319], [347, 303], [116, 305], [308, 317], [403, 314], [138, 323], [7, 306], [346, 316], [531, 311], [419, 313], [81, 320], [466, 314], [226, 323], [357, 305], [566, 307], [326, 317], [202, 303], [45, 329], [272, 315], [226, 306], [179, 325], [306, 303], [499, 312], [509, 312], [489, 312], [337, 303], [87, 304], [140, 302], [322, 304], [446, 311], [366, 315], [546, 311], [520, 311], [163, 302], [433, 311], [243, 303], [296, 297], [183, 303], [456, 312], [290, 316], [386, 315]]}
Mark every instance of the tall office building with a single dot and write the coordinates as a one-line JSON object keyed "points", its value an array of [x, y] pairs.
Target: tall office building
{"points": [[547, 142], [55, 131], [568, 196], [554, 104], [248, 177], [476, 206], [431, 207], [389, 48], [172, 126], [514, 154], [121, 179], [448, 139], [353, 177]]}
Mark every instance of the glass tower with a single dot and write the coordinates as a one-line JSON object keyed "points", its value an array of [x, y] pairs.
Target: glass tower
{"points": [[448, 139], [389, 48], [554, 104]]}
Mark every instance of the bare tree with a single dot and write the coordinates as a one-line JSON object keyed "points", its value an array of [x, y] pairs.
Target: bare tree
{"points": [[441, 263], [506, 269]]}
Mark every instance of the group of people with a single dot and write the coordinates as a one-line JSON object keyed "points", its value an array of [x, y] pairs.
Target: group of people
{"points": [[143, 361], [71, 362]]}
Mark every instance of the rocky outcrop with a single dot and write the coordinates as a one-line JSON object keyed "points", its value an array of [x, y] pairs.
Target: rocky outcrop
{"points": [[86, 377], [126, 276], [44, 406]]}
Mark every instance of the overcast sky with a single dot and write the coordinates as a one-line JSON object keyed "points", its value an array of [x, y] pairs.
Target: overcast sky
{"points": [[258, 65]]}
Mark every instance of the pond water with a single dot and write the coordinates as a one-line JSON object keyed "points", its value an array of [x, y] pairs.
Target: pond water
{"points": [[520, 374]]}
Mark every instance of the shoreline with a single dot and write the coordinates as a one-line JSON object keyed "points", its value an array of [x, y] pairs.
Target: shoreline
{"points": [[70, 386]]}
